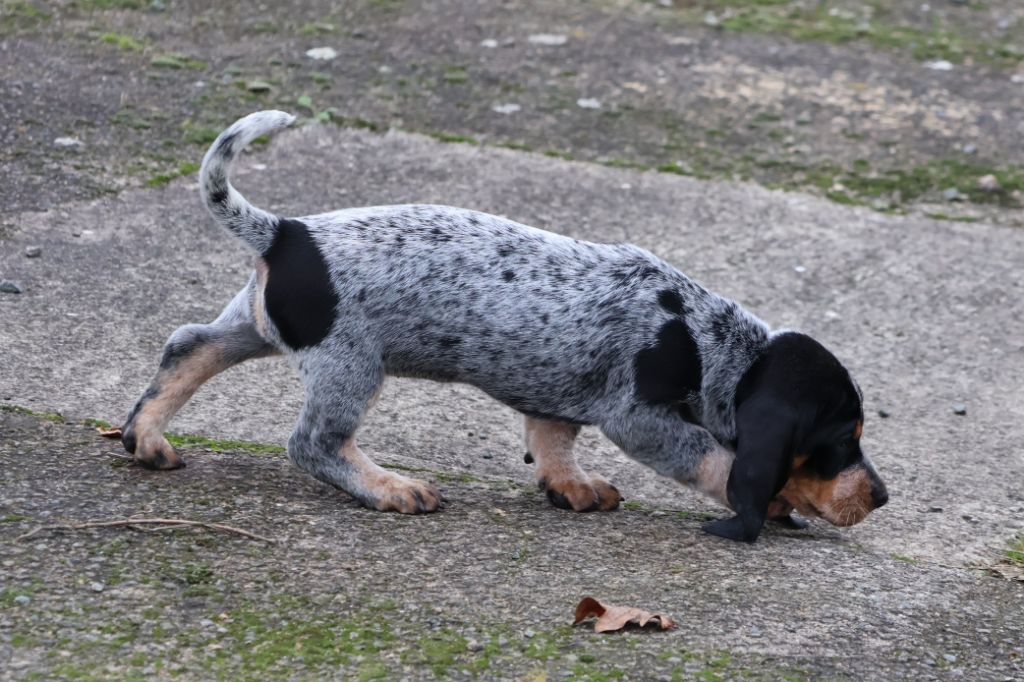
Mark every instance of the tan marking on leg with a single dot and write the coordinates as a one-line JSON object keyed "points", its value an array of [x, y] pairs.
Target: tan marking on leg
{"points": [[259, 303], [385, 490], [174, 387], [567, 484], [713, 474]]}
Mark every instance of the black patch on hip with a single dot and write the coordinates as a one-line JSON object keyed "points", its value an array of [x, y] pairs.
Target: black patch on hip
{"points": [[300, 297], [670, 370]]}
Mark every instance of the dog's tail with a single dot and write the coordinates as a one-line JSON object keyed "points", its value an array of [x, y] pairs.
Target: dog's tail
{"points": [[253, 225]]}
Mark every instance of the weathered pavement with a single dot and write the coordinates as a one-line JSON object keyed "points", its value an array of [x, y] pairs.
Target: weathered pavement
{"points": [[927, 314]]}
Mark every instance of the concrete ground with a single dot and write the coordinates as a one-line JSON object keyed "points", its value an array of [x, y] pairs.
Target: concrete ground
{"points": [[926, 311]]}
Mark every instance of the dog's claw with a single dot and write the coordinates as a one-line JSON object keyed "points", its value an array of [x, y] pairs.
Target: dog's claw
{"points": [[791, 522]]}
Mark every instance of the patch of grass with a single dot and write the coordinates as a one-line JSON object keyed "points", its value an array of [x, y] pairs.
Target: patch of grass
{"points": [[906, 559], [55, 417], [633, 505], [90, 5], [21, 15], [174, 60], [1016, 552], [954, 218], [97, 423], [183, 169], [317, 28], [822, 22], [454, 138], [322, 80], [196, 134], [454, 74], [122, 42], [220, 445], [437, 651], [13, 518]]}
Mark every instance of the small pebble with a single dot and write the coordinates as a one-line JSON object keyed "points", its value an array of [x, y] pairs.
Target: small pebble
{"points": [[322, 53], [549, 39], [935, 510], [950, 658], [473, 645], [489, 43], [529, 634], [22, 599], [960, 409], [884, 414], [258, 86], [9, 287], [509, 108], [68, 142], [969, 148], [32, 252], [799, 268], [989, 183], [939, 65], [96, 587], [588, 103], [952, 194]]}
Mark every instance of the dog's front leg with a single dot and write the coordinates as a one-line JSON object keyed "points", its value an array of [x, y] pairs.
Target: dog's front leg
{"points": [[656, 435]]}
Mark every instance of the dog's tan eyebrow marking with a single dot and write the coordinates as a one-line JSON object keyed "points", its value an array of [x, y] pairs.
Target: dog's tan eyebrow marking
{"points": [[858, 429]]}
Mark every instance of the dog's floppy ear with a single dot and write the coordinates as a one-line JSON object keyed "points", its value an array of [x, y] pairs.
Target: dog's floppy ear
{"points": [[765, 429]]}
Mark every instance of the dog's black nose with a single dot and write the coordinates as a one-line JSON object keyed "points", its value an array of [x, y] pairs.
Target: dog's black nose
{"points": [[879, 495]]}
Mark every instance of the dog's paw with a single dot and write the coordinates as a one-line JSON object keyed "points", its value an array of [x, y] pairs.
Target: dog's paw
{"points": [[151, 451], [405, 495], [581, 495]]}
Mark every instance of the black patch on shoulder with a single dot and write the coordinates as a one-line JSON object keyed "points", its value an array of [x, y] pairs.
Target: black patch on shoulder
{"points": [[449, 341], [508, 275], [300, 297], [670, 370], [670, 301]]}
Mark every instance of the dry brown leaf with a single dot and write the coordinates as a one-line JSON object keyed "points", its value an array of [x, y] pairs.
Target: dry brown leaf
{"points": [[611, 617], [113, 432]]}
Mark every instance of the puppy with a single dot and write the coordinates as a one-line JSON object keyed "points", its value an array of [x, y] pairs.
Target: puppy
{"points": [[566, 332]]}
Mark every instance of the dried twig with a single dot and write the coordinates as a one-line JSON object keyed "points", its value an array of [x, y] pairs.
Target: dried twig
{"points": [[131, 523]]}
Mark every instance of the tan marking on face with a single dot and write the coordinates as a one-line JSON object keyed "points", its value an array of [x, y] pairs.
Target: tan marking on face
{"points": [[713, 474], [842, 501], [858, 430]]}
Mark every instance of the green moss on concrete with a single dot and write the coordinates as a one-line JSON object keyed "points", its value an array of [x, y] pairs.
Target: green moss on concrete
{"points": [[174, 60], [54, 417], [122, 42], [223, 445], [821, 22]]}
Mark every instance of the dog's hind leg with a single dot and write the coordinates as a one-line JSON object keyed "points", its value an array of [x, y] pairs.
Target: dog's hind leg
{"points": [[340, 386], [567, 485], [193, 354]]}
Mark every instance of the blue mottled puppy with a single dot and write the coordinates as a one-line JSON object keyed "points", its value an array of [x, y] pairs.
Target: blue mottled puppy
{"points": [[566, 332]]}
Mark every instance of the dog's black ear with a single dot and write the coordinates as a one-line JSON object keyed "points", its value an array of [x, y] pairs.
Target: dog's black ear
{"points": [[765, 430]]}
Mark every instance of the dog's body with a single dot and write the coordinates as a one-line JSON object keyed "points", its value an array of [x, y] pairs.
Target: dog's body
{"points": [[567, 332]]}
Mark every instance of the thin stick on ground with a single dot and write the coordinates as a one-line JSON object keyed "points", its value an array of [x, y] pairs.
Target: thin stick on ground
{"points": [[129, 523]]}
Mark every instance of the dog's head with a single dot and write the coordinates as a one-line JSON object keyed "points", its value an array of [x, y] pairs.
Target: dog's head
{"points": [[799, 418]]}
